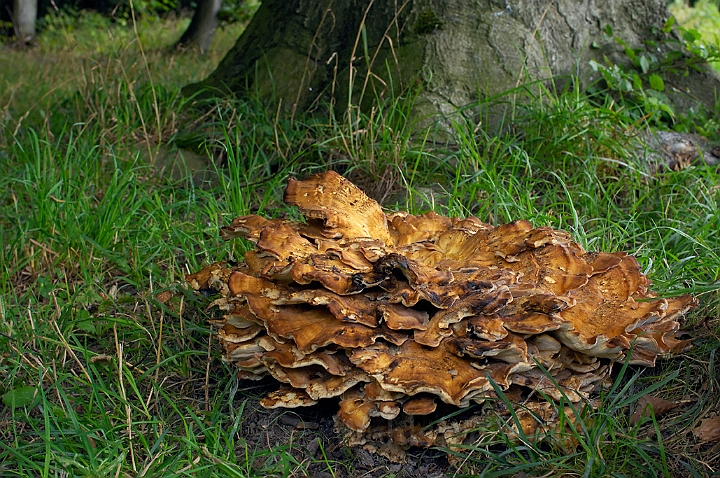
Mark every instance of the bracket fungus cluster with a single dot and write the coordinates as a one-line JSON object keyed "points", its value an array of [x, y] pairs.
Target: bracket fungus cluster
{"points": [[397, 314]]}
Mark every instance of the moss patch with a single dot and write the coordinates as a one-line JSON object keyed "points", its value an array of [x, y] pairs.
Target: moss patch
{"points": [[427, 22]]}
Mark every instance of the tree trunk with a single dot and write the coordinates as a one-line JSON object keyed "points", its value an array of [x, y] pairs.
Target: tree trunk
{"points": [[202, 26], [302, 53], [24, 17]]}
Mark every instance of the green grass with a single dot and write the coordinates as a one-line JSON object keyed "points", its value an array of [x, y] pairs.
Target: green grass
{"points": [[107, 366]]}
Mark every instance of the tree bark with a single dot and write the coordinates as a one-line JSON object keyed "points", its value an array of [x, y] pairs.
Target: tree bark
{"points": [[24, 17], [202, 27], [301, 53]]}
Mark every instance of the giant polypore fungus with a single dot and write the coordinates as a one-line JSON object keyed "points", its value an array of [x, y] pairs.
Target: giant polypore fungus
{"points": [[395, 313]]}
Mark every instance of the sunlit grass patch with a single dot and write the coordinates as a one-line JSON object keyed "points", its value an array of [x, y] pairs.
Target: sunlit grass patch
{"points": [[703, 17], [88, 54]]}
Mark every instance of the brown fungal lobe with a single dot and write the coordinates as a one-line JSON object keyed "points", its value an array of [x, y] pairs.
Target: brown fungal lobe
{"points": [[397, 314]]}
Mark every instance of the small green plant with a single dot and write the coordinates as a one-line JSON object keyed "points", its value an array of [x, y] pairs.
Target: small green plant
{"points": [[702, 16], [641, 85]]}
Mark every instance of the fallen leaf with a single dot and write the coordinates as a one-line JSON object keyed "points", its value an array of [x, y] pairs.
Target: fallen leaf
{"points": [[20, 397], [709, 429], [649, 403], [164, 296], [100, 358]]}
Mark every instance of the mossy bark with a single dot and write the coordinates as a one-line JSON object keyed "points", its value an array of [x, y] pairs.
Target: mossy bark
{"points": [[302, 53]]}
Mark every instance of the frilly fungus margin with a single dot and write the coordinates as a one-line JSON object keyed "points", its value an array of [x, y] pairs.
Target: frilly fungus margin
{"points": [[394, 313]]}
